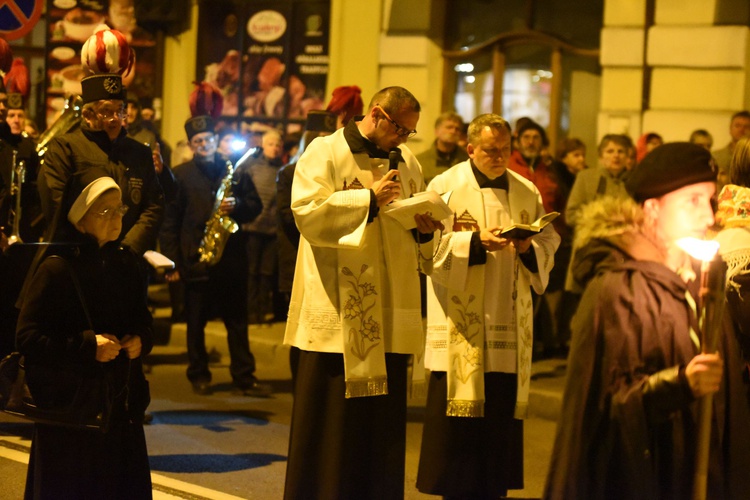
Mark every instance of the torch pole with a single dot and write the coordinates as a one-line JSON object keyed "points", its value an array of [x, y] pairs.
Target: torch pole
{"points": [[711, 311]]}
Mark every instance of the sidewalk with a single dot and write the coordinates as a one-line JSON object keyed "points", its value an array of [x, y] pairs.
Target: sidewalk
{"points": [[266, 343]]}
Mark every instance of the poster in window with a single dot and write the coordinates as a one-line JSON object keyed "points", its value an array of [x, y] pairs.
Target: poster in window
{"points": [[70, 24]]}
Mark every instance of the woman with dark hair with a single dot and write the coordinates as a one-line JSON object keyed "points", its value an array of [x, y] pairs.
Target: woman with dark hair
{"points": [[99, 328]]}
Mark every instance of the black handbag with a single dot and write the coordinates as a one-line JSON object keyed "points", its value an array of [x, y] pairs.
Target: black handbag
{"points": [[79, 397]]}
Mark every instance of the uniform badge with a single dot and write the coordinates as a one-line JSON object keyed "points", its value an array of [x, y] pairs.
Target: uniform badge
{"points": [[330, 122], [112, 85], [199, 123], [15, 101]]}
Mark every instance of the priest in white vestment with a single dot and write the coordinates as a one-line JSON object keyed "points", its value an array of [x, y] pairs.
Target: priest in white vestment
{"points": [[479, 326], [355, 311]]}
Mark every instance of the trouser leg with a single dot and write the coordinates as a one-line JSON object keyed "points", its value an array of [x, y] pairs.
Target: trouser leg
{"points": [[196, 299]]}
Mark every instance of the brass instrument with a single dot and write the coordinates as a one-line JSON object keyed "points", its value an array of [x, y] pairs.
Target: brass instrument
{"points": [[17, 178], [219, 227], [69, 118]]}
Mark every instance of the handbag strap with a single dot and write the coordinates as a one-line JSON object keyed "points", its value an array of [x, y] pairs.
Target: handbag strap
{"points": [[77, 285]]}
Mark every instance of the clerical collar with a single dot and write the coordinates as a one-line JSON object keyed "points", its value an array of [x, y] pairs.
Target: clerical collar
{"points": [[359, 143], [500, 182]]}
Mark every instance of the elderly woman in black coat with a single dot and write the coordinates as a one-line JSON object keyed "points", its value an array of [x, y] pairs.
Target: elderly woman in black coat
{"points": [[101, 328]]}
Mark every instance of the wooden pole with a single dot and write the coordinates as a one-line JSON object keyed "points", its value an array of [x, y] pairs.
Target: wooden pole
{"points": [[498, 73], [713, 275], [555, 99]]}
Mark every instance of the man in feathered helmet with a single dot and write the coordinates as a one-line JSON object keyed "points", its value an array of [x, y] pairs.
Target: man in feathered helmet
{"points": [[210, 286], [100, 147], [15, 86]]}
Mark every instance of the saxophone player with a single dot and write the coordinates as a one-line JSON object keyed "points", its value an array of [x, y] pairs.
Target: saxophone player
{"points": [[211, 286]]}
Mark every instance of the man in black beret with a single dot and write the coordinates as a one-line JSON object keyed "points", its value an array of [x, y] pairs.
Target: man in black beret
{"points": [[635, 369]]}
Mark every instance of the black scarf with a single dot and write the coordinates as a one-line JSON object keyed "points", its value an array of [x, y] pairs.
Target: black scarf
{"points": [[359, 144], [500, 182]]}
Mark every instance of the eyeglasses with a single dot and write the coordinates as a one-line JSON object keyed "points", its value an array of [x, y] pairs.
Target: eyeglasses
{"points": [[111, 213], [400, 131], [197, 141], [111, 114]]}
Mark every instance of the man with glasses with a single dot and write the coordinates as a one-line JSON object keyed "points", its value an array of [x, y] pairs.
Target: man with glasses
{"points": [[355, 306], [221, 287], [100, 147]]}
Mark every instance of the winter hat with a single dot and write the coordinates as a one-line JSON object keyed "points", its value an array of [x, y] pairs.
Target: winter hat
{"points": [[668, 168], [530, 124]]}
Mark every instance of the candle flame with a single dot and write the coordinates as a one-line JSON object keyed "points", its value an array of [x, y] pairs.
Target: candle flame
{"points": [[704, 250]]}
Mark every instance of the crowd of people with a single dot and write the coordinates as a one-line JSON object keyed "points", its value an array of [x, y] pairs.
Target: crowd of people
{"points": [[373, 302]]}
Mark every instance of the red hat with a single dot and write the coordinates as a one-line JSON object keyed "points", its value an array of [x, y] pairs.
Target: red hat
{"points": [[107, 55], [17, 84], [206, 100], [346, 101]]}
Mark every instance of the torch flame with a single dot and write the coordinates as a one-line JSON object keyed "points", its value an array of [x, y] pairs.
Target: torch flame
{"points": [[703, 250]]}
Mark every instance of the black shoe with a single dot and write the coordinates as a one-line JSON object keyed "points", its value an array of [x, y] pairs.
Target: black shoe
{"points": [[202, 388], [254, 389]]}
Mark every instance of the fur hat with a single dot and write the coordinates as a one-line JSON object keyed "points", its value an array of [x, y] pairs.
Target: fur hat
{"points": [[668, 168], [88, 196]]}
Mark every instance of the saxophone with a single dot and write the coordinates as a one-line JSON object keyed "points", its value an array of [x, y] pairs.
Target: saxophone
{"points": [[219, 227]]}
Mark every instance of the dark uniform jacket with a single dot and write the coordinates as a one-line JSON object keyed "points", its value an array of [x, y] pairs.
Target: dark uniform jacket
{"points": [[86, 155], [187, 214]]}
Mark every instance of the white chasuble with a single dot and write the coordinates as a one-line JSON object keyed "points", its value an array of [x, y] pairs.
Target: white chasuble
{"points": [[356, 287], [480, 316]]}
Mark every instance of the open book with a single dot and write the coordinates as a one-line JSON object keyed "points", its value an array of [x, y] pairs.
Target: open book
{"points": [[523, 231], [425, 202]]}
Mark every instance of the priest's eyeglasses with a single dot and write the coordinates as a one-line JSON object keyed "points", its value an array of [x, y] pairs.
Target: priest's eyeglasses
{"points": [[111, 213], [400, 131]]}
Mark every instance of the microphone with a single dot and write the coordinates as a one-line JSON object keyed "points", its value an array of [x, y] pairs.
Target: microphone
{"points": [[394, 157]]}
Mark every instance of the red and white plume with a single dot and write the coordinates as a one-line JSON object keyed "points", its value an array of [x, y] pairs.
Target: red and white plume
{"points": [[205, 99], [107, 51], [17, 79], [6, 56]]}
